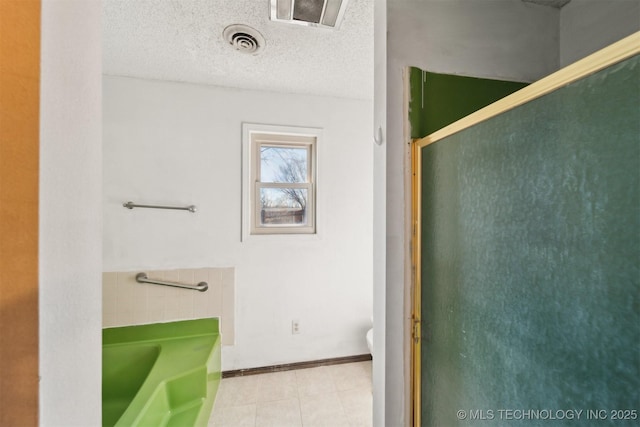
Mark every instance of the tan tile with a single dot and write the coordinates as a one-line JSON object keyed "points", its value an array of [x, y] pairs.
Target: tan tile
{"points": [[228, 285], [109, 319], [206, 304], [109, 276], [201, 274], [348, 376], [185, 275], [155, 305], [281, 413], [228, 306], [171, 275], [367, 366], [227, 330], [314, 381], [109, 291], [172, 314], [214, 275], [126, 317], [228, 275], [276, 386], [156, 290], [237, 391], [173, 302], [323, 410], [215, 419], [182, 299], [358, 406], [234, 416], [155, 312], [209, 303], [132, 295]]}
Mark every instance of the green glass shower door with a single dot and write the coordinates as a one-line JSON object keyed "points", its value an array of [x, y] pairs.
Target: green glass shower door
{"points": [[530, 262]]}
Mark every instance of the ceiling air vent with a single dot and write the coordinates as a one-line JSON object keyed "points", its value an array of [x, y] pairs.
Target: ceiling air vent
{"points": [[244, 38], [315, 13]]}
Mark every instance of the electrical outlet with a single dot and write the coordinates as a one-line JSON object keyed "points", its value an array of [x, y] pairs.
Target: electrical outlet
{"points": [[295, 326]]}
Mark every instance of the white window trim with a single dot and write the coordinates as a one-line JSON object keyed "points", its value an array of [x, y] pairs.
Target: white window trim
{"points": [[249, 185]]}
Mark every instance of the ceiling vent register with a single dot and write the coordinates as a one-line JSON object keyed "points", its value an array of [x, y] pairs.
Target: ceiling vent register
{"points": [[244, 38], [314, 13]]}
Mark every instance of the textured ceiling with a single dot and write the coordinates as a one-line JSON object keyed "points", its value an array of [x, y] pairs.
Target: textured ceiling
{"points": [[182, 41]]}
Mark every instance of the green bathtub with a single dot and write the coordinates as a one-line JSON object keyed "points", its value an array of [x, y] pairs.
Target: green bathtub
{"points": [[164, 374]]}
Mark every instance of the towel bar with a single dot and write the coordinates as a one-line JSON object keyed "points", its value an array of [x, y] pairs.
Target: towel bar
{"points": [[131, 205], [142, 278]]}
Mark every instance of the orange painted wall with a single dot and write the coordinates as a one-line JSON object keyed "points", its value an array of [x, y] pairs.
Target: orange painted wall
{"points": [[19, 151]]}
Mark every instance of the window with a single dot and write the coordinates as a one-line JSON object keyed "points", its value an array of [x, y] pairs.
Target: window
{"points": [[279, 180]]}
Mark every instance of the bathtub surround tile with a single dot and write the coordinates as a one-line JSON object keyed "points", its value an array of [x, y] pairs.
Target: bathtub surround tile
{"points": [[109, 288], [280, 413], [133, 295], [138, 317], [160, 291], [185, 300], [228, 305], [227, 275], [209, 303], [127, 302], [185, 275], [179, 302], [156, 297], [212, 276], [109, 298], [126, 317], [169, 276], [109, 319]]}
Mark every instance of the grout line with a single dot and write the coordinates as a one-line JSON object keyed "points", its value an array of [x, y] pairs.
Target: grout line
{"points": [[299, 399]]}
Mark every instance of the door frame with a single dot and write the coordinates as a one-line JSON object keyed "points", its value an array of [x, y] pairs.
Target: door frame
{"points": [[416, 283]]}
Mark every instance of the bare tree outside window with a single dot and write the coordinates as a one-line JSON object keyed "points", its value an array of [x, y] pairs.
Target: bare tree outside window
{"points": [[283, 165], [279, 179]]}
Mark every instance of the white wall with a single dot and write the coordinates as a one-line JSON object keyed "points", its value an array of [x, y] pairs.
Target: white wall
{"points": [[70, 214], [379, 213], [176, 143], [588, 25], [502, 39]]}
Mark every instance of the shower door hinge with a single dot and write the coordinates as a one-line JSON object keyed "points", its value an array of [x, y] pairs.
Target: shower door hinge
{"points": [[415, 330]]}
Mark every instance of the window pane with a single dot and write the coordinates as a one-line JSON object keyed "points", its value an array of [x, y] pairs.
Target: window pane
{"points": [[283, 206], [283, 164]]}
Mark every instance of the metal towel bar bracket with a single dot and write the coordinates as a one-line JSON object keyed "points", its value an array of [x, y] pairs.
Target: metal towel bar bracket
{"points": [[131, 205], [142, 278]]}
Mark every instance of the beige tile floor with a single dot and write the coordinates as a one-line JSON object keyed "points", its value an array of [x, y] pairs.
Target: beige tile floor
{"points": [[326, 396]]}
